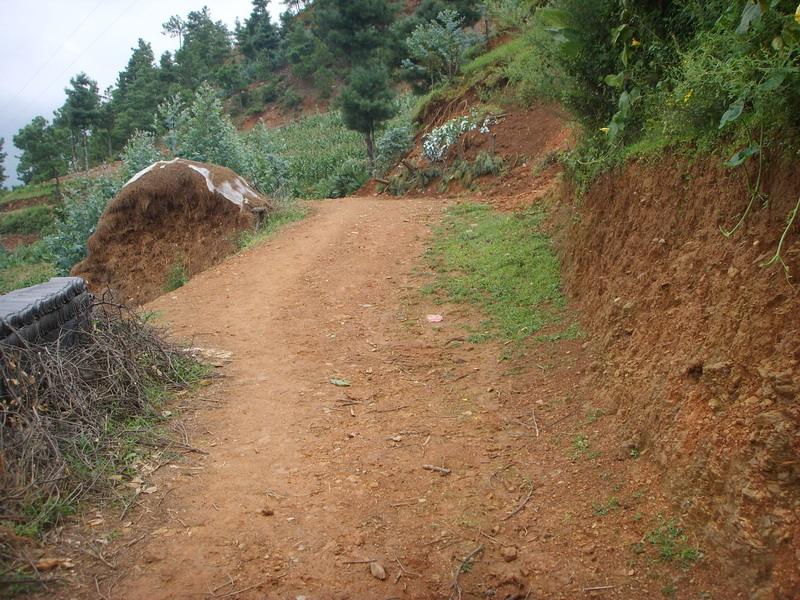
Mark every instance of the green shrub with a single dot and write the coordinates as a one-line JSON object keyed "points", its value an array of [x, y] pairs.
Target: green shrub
{"points": [[84, 202], [393, 145], [27, 221], [353, 174], [177, 277], [291, 100], [139, 153]]}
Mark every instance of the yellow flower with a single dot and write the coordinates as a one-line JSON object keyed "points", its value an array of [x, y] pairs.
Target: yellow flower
{"points": [[635, 43], [797, 14], [688, 96], [604, 129]]}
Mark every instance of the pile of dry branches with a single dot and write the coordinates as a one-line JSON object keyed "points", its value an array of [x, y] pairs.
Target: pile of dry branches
{"points": [[61, 405]]}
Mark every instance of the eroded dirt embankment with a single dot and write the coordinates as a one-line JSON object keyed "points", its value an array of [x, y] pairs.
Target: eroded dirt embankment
{"points": [[700, 347]]}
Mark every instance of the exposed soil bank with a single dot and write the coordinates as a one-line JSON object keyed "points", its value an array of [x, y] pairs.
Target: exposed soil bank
{"points": [[701, 347]]}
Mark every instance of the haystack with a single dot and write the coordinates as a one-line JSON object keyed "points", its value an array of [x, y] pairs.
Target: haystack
{"points": [[172, 215]]}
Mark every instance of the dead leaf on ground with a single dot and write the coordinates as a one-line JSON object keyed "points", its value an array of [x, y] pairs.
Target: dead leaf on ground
{"points": [[48, 564]]}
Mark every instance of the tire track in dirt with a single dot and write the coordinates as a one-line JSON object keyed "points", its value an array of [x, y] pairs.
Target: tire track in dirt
{"points": [[303, 480]]}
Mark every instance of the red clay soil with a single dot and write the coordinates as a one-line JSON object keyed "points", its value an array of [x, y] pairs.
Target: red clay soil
{"points": [[165, 219], [25, 203], [702, 346], [295, 484], [529, 141]]}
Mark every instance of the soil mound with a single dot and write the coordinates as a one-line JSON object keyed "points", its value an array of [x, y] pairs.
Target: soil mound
{"points": [[177, 215], [702, 348]]}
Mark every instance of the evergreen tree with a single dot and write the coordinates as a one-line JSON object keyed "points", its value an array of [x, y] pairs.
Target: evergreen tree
{"points": [[259, 38], [136, 96], [355, 30], [174, 28], [82, 110], [206, 47], [43, 156], [367, 102]]}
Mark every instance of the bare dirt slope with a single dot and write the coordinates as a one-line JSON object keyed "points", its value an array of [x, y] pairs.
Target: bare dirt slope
{"points": [[303, 481]]}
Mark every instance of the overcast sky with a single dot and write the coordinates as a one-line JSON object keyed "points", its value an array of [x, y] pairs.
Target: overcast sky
{"points": [[43, 43]]}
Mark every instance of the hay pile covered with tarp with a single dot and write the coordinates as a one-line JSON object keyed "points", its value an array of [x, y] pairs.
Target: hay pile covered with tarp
{"points": [[172, 215]]}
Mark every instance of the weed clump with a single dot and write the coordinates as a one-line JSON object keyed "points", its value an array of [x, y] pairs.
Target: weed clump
{"points": [[66, 413]]}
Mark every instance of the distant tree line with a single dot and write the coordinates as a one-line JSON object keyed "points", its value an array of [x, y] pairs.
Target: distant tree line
{"points": [[366, 46]]}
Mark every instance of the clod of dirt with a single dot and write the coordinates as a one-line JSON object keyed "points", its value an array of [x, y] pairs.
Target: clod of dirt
{"points": [[377, 571], [509, 553], [177, 214]]}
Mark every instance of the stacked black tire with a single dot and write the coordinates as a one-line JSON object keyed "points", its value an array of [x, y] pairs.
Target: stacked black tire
{"points": [[44, 313]]}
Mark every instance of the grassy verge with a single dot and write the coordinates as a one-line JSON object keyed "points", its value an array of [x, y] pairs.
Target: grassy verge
{"points": [[35, 190], [287, 213], [28, 221], [503, 263]]}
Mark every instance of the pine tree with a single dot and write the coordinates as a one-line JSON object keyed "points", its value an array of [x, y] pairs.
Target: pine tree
{"points": [[259, 38], [366, 102], [355, 30], [136, 96], [82, 110], [206, 47]]}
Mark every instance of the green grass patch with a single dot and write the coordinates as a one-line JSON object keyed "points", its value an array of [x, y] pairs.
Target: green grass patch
{"points": [[672, 543], [503, 263], [27, 221], [499, 56], [34, 190], [287, 213], [25, 266]]}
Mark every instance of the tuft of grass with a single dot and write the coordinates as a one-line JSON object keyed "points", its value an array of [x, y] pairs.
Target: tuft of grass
{"points": [[672, 543], [503, 263], [28, 221], [288, 213], [177, 277], [602, 509]]}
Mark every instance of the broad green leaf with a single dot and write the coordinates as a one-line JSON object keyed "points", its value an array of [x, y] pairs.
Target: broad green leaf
{"points": [[614, 81], [774, 82], [624, 55], [751, 14], [618, 32], [614, 128], [742, 155], [733, 113]]}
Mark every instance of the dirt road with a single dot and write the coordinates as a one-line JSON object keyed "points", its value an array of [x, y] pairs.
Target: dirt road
{"points": [[304, 481]]}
